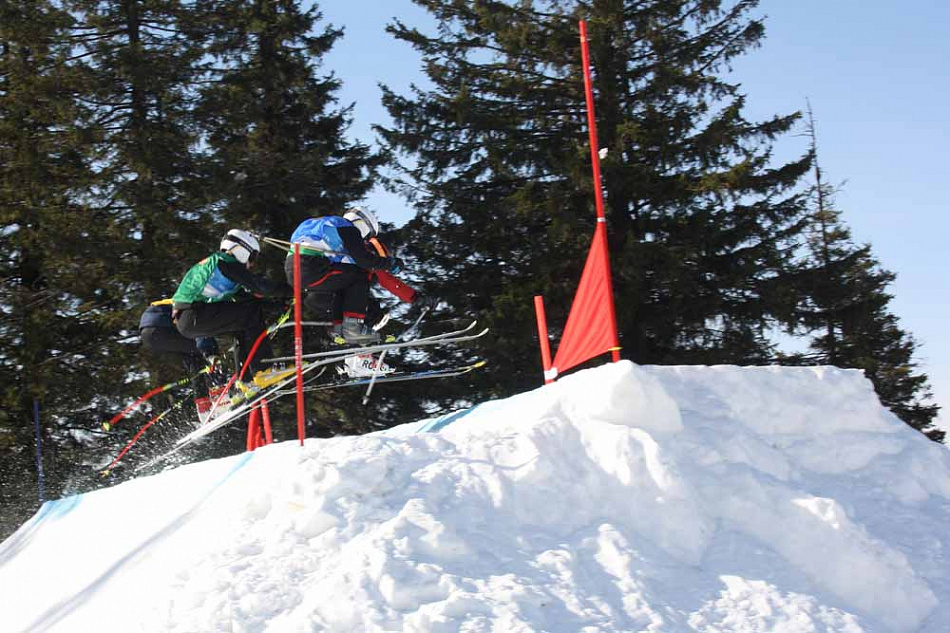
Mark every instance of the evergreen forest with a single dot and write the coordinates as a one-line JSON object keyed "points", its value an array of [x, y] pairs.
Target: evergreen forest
{"points": [[134, 134]]}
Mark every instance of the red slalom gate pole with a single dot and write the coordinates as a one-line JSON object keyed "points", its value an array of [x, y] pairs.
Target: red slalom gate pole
{"points": [[598, 189], [543, 338], [298, 343], [265, 415], [254, 429]]}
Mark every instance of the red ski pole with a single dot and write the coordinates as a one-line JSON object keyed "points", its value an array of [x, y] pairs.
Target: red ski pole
{"points": [[141, 431], [157, 390]]}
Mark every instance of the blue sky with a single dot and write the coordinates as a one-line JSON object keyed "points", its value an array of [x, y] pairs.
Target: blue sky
{"points": [[878, 78]]}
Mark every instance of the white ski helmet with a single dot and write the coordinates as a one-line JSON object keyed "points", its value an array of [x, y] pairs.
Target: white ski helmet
{"points": [[364, 220], [241, 244]]}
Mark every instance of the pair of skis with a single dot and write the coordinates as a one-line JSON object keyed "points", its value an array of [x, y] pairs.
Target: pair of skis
{"points": [[318, 360]]}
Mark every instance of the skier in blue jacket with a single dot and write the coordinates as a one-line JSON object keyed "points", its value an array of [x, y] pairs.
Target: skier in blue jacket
{"points": [[336, 270]]}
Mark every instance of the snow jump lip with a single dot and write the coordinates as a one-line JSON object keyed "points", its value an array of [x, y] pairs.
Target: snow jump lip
{"points": [[762, 495]]}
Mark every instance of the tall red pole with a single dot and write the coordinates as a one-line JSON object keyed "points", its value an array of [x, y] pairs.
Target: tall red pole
{"points": [[543, 338], [298, 343], [601, 231], [265, 418], [254, 429]]}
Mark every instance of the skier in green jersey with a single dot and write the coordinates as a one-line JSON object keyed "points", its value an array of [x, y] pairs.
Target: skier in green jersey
{"points": [[213, 299]]}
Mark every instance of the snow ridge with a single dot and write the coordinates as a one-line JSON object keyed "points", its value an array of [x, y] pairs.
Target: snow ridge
{"points": [[621, 498]]}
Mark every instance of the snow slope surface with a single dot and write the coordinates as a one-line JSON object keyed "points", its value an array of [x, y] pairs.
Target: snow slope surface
{"points": [[622, 498]]}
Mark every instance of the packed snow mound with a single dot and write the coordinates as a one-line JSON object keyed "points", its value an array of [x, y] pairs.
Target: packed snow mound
{"points": [[622, 498]]}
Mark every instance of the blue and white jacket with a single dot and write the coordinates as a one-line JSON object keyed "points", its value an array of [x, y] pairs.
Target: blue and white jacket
{"points": [[338, 240]]}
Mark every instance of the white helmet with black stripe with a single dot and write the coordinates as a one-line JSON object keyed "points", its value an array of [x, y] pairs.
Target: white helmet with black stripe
{"points": [[241, 244], [364, 220]]}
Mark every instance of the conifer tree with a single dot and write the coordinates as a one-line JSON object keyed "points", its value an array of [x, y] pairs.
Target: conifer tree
{"points": [[144, 204], [702, 227], [278, 144], [142, 61], [846, 305], [55, 306], [98, 197]]}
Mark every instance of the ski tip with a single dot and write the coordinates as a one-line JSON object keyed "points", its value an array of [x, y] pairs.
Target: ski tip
{"points": [[480, 363], [106, 426]]}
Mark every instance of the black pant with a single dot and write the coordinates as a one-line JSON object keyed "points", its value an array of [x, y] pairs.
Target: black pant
{"points": [[331, 291], [243, 320], [167, 341]]}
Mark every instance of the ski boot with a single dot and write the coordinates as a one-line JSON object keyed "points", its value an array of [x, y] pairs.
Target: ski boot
{"points": [[354, 332]]}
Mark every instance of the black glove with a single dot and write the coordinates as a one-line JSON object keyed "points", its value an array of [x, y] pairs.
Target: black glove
{"points": [[425, 301], [393, 264]]}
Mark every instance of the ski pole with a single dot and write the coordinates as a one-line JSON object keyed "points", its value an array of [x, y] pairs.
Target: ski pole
{"points": [[157, 390], [141, 431]]}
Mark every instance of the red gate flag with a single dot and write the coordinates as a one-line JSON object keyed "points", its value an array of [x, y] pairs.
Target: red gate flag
{"points": [[590, 329], [592, 324]]}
